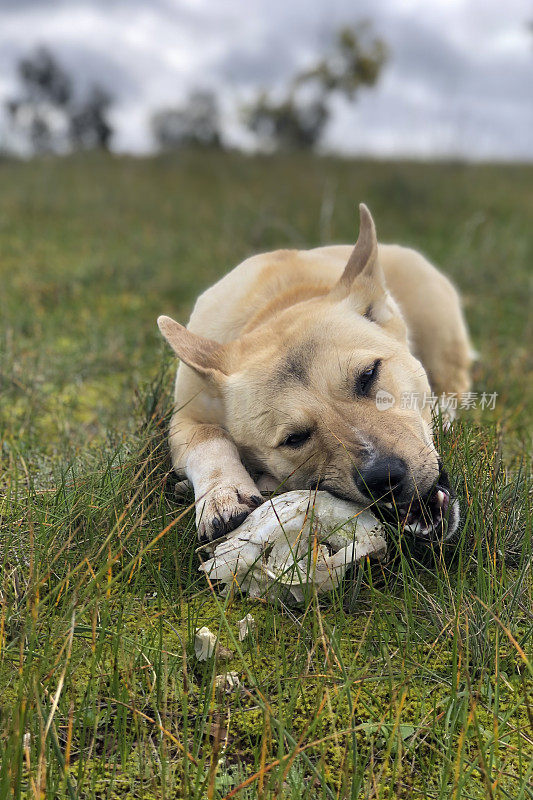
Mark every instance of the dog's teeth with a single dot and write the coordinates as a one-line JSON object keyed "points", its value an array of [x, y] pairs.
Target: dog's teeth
{"points": [[413, 526], [387, 505], [441, 498]]}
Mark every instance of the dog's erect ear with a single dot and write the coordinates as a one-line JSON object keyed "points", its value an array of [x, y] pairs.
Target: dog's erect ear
{"points": [[205, 356], [363, 258], [364, 283]]}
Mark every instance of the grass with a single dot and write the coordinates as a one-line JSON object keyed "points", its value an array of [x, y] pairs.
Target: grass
{"points": [[413, 680]]}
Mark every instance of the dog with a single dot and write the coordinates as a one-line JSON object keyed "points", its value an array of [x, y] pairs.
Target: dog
{"points": [[281, 368]]}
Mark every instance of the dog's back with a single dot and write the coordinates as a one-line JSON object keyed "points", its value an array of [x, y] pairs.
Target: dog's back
{"points": [[264, 283]]}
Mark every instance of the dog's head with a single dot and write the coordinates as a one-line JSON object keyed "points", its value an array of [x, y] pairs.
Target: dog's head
{"points": [[302, 393]]}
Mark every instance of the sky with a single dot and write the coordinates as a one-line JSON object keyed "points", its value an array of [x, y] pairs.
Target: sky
{"points": [[458, 83]]}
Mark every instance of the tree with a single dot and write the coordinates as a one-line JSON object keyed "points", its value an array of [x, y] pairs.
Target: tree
{"points": [[48, 118], [288, 124], [356, 61], [298, 120], [194, 124], [89, 123], [40, 112]]}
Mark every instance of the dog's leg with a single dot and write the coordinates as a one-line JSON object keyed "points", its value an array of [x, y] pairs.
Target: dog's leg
{"points": [[448, 369], [224, 491], [267, 484]]}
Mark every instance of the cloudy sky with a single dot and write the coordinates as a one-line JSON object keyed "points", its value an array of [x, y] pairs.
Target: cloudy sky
{"points": [[459, 80]]}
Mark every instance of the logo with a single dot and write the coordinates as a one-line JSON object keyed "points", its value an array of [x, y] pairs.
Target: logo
{"points": [[384, 400]]}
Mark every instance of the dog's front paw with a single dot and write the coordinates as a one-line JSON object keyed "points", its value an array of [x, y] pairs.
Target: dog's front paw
{"points": [[223, 509]]}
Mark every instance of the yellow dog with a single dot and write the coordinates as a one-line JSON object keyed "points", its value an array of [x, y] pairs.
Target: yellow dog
{"points": [[283, 366]]}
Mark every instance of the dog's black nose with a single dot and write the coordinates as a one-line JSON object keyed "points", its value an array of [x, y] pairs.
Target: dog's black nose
{"points": [[384, 476]]}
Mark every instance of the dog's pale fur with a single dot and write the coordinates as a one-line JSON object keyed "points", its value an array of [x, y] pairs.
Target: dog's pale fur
{"points": [[275, 347]]}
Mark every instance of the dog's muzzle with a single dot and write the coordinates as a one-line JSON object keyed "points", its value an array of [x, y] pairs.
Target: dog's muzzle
{"points": [[433, 517]]}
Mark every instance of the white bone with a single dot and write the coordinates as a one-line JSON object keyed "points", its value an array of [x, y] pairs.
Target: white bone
{"points": [[227, 682], [295, 540], [246, 626], [204, 644]]}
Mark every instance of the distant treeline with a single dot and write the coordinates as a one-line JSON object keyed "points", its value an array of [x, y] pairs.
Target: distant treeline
{"points": [[50, 114]]}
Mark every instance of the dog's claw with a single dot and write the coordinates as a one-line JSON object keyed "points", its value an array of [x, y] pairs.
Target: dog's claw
{"points": [[224, 509], [218, 525], [203, 538], [236, 520]]}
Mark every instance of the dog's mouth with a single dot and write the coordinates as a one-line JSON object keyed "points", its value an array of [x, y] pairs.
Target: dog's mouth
{"points": [[433, 517]]}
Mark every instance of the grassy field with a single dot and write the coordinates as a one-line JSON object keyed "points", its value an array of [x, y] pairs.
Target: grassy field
{"points": [[414, 679]]}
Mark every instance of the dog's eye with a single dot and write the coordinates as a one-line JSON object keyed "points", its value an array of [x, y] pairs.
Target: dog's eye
{"points": [[365, 380], [296, 439]]}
